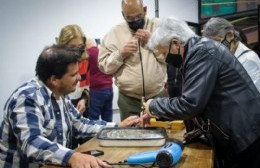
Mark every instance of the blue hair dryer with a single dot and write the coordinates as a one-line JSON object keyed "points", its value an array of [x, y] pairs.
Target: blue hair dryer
{"points": [[165, 157]]}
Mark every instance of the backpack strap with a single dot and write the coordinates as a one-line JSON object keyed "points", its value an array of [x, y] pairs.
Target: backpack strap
{"points": [[246, 51]]}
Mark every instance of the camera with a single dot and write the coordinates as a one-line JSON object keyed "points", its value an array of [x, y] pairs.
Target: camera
{"points": [[165, 157]]}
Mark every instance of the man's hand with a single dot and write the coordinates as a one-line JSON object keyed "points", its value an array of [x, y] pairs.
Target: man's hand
{"points": [[81, 106], [130, 121], [79, 160], [128, 49], [143, 36], [147, 114], [146, 106]]}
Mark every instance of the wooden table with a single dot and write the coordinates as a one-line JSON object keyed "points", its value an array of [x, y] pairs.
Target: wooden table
{"points": [[195, 155]]}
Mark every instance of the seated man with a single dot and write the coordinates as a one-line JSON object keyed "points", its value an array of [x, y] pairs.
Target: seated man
{"points": [[40, 120]]}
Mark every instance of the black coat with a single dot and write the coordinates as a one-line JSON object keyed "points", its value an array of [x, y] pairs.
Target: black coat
{"points": [[217, 87], [174, 81]]}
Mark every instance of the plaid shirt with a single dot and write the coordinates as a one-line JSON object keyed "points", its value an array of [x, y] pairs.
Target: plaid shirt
{"points": [[32, 129]]}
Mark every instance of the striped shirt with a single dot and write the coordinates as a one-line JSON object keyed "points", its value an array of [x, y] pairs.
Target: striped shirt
{"points": [[32, 128]]}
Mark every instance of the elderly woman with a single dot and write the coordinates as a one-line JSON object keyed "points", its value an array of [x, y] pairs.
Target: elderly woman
{"points": [[216, 87], [221, 30]]}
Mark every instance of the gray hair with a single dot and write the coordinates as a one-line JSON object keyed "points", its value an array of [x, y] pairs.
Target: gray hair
{"points": [[218, 27], [169, 28]]}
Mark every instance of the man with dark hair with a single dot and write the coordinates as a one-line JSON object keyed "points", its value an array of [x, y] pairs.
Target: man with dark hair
{"points": [[40, 120]]}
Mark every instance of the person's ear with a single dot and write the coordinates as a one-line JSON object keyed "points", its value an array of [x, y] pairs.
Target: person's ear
{"points": [[176, 43], [54, 81], [230, 35], [123, 14], [145, 10]]}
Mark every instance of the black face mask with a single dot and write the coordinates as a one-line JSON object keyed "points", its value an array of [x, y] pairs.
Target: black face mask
{"points": [[137, 24], [226, 43], [174, 59]]}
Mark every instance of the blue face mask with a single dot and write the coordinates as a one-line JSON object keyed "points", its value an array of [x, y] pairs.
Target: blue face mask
{"points": [[137, 24]]}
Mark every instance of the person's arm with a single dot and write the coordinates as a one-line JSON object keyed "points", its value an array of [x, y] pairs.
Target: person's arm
{"points": [[109, 58], [83, 103], [79, 160], [252, 66], [200, 77], [84, 127], [28, 126]]}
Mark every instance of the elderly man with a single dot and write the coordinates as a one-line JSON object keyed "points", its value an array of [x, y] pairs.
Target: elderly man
{"points": [[40, 120], [138, 71], [216, 87], [221, 30]]}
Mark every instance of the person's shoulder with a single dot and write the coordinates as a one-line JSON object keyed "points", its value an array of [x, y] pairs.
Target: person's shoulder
{"points": [[251, 55], [198, 42], [93, 51], [93, 48], [207, 44], [27, 89], [205, 47], [247, 52], [118, 27], [154, 19], [33, 86], [116, 32]]}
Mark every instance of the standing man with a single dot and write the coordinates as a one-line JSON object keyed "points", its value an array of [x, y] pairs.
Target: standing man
{"points": [[216, 87], [221, 30], [138, 71], [40, 120]]}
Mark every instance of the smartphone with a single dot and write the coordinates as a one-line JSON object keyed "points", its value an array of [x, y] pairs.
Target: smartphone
{"points": [[94, 152]]}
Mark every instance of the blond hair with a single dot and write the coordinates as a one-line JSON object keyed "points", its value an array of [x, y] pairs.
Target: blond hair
{"points": [[70, 32]]}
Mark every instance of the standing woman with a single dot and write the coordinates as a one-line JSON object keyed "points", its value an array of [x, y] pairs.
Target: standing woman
{"points": [[73, 35], [100, 87]]}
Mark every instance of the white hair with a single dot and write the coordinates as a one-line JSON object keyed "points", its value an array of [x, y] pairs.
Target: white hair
{"points": [[169, 28]]}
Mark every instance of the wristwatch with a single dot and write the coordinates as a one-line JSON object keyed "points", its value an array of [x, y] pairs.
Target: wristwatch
{"points": [[151, 113]]}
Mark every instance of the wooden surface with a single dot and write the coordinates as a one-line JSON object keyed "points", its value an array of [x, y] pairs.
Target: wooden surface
{"points": [[194, 155]]}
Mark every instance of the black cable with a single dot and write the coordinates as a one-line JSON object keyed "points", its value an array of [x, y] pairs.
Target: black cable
{"points": [[131, 164], [142, 68]]}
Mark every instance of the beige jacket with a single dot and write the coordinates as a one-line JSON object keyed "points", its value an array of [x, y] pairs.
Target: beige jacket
{"points": [[127, 72]]}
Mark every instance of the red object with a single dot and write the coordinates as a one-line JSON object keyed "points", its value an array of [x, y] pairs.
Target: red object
{"points": [[84, 73]]}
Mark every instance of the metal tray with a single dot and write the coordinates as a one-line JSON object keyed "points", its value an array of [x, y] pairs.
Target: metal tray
{"points": [[132, 137]]}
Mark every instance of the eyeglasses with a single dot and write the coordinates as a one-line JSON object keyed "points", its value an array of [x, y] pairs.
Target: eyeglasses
{"points": [[133, 18], [80, 46]]}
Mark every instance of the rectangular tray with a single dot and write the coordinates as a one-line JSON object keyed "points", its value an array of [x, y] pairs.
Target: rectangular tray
{"points": [[128, 137]]}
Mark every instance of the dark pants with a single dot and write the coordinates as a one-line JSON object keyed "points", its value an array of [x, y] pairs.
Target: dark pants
{"points": [[101, 104], [248, 158], [129, 106]]}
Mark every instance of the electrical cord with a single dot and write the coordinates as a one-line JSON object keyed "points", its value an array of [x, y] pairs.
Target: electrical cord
{"points": [[124, 163], [142, 68]]}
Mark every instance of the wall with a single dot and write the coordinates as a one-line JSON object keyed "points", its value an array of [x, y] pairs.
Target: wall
{"points": [[27, 26], [184, 9]]}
